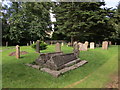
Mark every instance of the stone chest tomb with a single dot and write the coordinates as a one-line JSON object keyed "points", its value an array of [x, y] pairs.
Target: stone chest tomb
{"points": [[57, 63]]}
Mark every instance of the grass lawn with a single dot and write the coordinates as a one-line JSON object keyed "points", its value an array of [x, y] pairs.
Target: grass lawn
{"points": [[95, 74]]}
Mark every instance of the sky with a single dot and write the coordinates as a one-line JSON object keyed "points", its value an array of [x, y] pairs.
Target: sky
{"points": [[109, 3]]}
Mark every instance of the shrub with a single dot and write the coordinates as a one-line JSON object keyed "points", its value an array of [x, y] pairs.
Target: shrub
{"points": [[43, 45]]}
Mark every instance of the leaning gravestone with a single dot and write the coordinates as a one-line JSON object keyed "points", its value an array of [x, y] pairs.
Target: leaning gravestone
{"points": [[17, 51], [76, 49], [38, 46], [57, 47], [105, 45], [92, 45]]}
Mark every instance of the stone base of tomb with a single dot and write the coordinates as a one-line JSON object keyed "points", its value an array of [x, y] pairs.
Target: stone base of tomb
{"points": [[56, 73]]}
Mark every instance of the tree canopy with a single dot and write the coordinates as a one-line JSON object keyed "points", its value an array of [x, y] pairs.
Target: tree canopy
{"points": [[84, 20], [81, 21]]}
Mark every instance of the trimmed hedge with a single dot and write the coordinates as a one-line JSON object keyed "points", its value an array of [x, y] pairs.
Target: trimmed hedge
{"points": [[43, 45]]}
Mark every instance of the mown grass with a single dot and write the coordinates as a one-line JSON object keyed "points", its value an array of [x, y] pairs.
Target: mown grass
{"points": [[17, 75]]}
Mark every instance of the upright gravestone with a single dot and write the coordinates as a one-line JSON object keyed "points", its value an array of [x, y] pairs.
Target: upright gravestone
{"points": [[110, 43], [17, 51], [38, 46], [27, 44], [57, 47], [86, 43], [115, 43], [92, 45], [30, 42], [76, 50], [82, 47], [62, 44], [69, 44], [74, 43], [6, 44], [97, 45], [33, 42], [105, 45]]}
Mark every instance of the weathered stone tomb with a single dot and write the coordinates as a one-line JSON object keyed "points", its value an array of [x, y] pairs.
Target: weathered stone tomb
{"points": [[57, 63]]}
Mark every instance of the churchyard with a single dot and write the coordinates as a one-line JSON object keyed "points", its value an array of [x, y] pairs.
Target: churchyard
{"points": [[59, 44], [96, 72]]}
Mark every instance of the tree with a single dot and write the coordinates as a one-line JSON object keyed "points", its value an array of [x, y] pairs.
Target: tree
{"points": [[26, 21], [83, 21]]}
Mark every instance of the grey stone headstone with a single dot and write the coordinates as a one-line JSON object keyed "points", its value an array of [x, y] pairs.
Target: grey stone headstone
{"points": [[38, 46], [76, 50], [30, 42], [6, 44], [27, 44], [57, 47], [97, 45]]}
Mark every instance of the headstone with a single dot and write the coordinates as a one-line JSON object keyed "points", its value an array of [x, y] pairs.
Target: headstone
{"points": [[62, 44], [6, 44], [110, 43], [92, 45], [17, 51], [97, 45], [76, 50], [74, 43], [69, 44], [33, 42], [82, 47], [86, 43], [115, 43], [38, 46], [105, 45], [27, 44], [30, 42], [57, 47]]}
